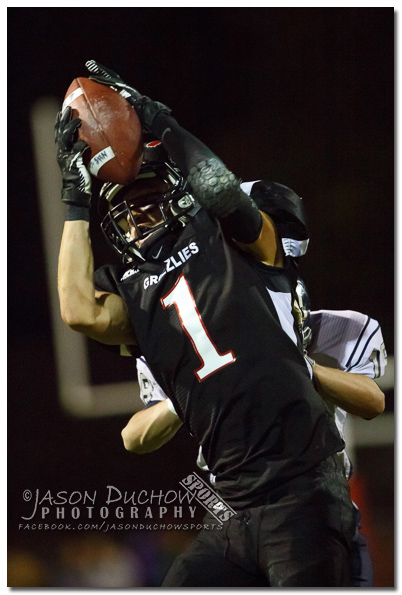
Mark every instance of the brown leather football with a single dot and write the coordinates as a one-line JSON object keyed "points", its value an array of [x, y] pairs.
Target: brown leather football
{"points": [[111, 128]]}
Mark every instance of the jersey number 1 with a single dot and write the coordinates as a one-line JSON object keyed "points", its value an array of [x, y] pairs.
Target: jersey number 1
{"points": [[181, 297]]}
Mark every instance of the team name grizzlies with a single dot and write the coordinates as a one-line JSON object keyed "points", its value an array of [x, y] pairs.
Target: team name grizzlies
{"points": [[173, 262]]}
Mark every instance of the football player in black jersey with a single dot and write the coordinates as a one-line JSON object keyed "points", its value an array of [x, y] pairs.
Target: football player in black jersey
{"points": [[206, 294], [351, 344]]}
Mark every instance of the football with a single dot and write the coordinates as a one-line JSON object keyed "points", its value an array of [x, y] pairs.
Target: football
{"points": [[111, 128]]}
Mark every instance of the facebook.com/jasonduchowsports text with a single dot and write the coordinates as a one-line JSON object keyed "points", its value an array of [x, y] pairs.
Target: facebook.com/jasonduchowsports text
{"points": [[110, 526], [111, 509]]}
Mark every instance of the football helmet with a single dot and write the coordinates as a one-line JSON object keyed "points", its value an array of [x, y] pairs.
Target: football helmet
{"points": [[285, 208], [143, 219]]}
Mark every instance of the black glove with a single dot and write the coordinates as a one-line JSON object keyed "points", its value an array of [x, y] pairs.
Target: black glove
{"points": [[146, 109], [76, 188]]}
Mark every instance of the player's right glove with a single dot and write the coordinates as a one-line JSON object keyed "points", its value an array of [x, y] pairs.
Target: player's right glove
{"points": [[76, 190], [147, 109]]}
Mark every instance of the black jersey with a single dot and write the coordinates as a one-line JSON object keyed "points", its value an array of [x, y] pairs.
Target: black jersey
{"points": [[216, 330]]}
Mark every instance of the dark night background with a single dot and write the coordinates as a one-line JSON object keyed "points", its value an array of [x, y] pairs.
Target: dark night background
{"points": [[303, 96]]}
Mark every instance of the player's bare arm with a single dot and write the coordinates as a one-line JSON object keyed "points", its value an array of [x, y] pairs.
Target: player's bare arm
{"points": [[150, 428], [267, 248], [100, 316], [355, 393]]}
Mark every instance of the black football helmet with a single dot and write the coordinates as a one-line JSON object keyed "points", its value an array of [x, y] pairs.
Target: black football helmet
{"points": [[160, 189], [285, 208]]}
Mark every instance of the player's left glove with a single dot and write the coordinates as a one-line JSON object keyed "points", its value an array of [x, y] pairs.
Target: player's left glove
{"points": [[76, 190], [147, 109]]}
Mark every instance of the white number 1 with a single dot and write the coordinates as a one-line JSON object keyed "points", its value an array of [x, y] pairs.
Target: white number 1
{"points": [[181, 297]]}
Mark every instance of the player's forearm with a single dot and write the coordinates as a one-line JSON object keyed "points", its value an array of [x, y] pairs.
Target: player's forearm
{"points": [[355, 393], [219, 192], [185, 149], [75, 275], [150, 429]]}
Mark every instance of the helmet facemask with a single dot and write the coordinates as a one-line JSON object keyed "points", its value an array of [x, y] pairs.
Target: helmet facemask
{"points": [[145, 218]]}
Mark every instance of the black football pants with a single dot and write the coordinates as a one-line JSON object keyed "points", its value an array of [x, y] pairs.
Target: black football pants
{"points": [[361, 565], [300, 537]]}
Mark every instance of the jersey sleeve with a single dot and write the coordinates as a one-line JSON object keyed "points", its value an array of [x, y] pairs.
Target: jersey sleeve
{"points": [[349, 341], [104, 279]]}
